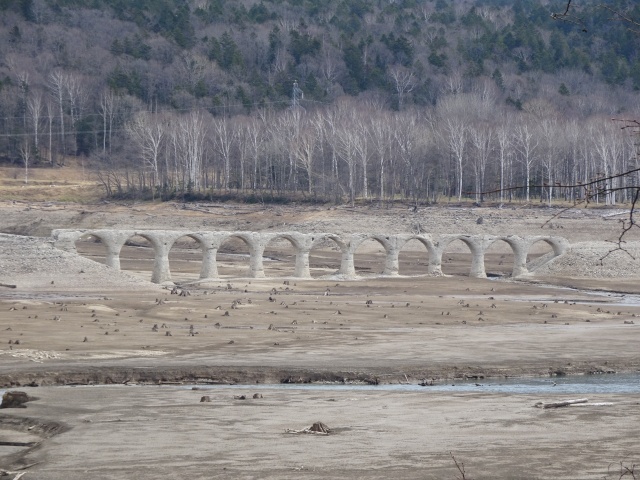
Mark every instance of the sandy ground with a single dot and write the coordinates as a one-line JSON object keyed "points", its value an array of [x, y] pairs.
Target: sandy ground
{"points": [[233, 330], [165, 432]]}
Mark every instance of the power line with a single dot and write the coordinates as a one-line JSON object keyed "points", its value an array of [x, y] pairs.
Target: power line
{"points": [[183, 110], [79, 132]]}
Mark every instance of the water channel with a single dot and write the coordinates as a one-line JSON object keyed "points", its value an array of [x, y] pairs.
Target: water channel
{"points": [[619, 384]]}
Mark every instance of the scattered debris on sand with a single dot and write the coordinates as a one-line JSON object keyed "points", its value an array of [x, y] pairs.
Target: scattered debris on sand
{"points": [[594, 260]]}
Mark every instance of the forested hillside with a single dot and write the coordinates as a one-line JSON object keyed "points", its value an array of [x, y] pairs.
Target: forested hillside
{"points": [[328, 99]]}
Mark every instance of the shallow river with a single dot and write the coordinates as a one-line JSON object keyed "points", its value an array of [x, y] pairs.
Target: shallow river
{"points": [[570, 385], [577, 384]]}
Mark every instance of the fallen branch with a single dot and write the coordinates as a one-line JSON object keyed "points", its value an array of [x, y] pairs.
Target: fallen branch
{"points": [[304, 430], [18, 474], [6, 473], [460, 467], [564, 403]]}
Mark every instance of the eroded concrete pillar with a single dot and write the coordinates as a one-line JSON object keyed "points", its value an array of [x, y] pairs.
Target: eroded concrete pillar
{"points": [[519, 256], [302, 263], [209, 243], [392, 262], [302, 244], [113, 240], [161, 272], [209, 268], [435, 258], [162, 241], [347, 267], [257, 244], [477, 245]]}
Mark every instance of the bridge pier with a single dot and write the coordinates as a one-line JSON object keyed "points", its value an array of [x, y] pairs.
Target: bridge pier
{"points": [[519, 256], [392, 263], [347, 266], [209, 268], [209, 243], [302, 264], [162, 243], [113, 242], [256, 264]]}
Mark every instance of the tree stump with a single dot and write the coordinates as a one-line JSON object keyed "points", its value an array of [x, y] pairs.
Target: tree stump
{"points": [[15, 399]]}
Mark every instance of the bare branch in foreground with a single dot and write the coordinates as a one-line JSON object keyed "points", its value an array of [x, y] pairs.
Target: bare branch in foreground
{"points": [[460, 467]]}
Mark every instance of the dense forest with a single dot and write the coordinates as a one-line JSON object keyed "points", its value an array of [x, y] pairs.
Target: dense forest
{"points": [[342, 100]]}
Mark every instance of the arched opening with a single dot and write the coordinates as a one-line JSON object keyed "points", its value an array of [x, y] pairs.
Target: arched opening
{"points": [[498, 259], [456, 258], [185, 259], [325, 257], [369, 258], [233, 257], [91, 247], [279, 258], [413, 258], [540, 252], [137, 256]]}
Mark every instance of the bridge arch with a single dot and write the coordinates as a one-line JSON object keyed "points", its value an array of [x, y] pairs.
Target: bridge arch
{"points": [[248, 241], [516, 256], [320, 253], [85, 243], [409, 261], [298, 256], [386, 262], [558, 246], [179, 253], [473, 243]]}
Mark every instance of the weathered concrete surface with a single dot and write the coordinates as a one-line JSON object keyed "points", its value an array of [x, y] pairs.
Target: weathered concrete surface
{"points": [[303, 244]]}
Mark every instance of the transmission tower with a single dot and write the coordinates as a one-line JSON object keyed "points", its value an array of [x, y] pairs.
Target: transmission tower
{"points": [[296, 95]]}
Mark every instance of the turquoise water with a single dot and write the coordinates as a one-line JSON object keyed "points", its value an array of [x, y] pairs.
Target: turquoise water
{"points": [[577, 384], [621, 384]]}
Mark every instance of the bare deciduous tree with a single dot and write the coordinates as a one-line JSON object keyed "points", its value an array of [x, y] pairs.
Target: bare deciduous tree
{"points": [[34, 107], [57, 88], [404, 82], [147, 131], [526, 144]]}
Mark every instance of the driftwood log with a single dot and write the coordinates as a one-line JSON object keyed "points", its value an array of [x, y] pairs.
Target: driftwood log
{"points": [[564, 403]]}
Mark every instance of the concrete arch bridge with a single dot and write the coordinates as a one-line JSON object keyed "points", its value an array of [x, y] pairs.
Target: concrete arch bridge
{"points": [[302, 244]]}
